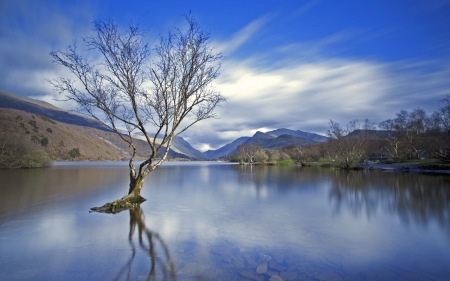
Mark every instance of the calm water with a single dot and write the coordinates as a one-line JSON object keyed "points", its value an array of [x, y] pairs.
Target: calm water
{"points": [[209, 221]]}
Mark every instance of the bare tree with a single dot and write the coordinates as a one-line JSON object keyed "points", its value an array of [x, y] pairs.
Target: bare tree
{"points": [[407, 133], [440, 131], [392, 140], [248, 152], [347, 144], [159, 98]]}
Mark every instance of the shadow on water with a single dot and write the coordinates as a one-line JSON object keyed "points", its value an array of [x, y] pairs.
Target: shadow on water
{"points": [[161, 265], [418, 199], [415, 198]]}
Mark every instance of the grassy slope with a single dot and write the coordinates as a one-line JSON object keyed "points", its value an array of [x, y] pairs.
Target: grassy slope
{"points": [[93, 144]]}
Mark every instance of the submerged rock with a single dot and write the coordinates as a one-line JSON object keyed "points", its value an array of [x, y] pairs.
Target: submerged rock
{"points": [[252, 263], [276, 278], [193, 269], [262, 268], [251, 276]]}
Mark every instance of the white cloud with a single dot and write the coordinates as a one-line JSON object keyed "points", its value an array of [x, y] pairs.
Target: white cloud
{"points": [[300, 85], [300, 93]]}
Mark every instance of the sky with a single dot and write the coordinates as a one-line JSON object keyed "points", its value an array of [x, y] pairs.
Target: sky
{"points": [[287, 64]]}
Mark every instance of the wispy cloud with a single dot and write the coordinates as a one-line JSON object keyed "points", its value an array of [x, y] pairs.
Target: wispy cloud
{"points": [[28, 32], [297, 84], [307, 88], [306, 7], [242, 36]]}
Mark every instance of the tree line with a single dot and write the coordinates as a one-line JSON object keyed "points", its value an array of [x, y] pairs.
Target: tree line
{"points": [[18, 152], [410, 135]]}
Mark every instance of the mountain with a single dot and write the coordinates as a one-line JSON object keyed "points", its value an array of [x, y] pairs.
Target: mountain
{"points": [[374, 135], [38, 120], [286, 140], [181, 146], [225, 150], [268, 141], [271, 140], [298, 133]]}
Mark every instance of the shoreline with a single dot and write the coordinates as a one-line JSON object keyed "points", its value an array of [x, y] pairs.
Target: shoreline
{"points": [[402, 168]]}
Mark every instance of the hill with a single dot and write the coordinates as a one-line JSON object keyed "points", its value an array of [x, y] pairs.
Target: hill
{"points": [[62, 131], [59, 139], [58, 132], [268, 141], [8, 100], [298, 133]]}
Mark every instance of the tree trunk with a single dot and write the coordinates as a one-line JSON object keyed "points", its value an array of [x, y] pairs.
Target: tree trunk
{"points": [[129, 201], [134, 192]]}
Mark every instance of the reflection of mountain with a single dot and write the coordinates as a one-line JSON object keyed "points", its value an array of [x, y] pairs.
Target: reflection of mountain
{"points": [[413, 197]]}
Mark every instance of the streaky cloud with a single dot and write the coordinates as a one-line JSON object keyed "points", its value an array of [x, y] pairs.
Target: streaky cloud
{"points": [[242, 36]]}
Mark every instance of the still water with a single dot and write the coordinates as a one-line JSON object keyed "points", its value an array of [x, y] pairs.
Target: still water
{"points": [[211, 221]]}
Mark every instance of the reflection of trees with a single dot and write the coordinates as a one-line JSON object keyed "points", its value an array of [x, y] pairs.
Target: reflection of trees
{"points": [[417, 198], [414, 197], [148, 242], [351, 189], [281, 177]]}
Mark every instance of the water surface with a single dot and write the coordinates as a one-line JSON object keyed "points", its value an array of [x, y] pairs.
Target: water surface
{"points": [[210, 221]]}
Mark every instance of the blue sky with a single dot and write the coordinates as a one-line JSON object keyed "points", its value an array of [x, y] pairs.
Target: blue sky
{"points": [[288, 64]]}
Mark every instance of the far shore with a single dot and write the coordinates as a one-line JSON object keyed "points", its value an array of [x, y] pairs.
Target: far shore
{"points": [[385, 167], [403, 167]]}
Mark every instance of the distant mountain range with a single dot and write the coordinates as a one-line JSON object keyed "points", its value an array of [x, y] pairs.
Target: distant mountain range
{"points": [[298, 133], [225, 150], [180, 147], [271, 140]]}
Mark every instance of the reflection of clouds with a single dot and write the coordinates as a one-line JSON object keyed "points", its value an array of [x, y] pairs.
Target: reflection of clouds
{"points": [[248, 216], [57, 231], [287, 209], [292, 215]]}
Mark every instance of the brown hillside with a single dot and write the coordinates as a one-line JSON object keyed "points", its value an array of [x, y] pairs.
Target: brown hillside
{"points": [[58, 139]]}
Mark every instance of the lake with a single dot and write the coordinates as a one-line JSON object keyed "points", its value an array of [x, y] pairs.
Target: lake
{"points": [[219, 221]]}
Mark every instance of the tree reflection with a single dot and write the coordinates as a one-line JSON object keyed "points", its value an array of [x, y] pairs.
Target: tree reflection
{"points": [[413, 197], [161, 265]]}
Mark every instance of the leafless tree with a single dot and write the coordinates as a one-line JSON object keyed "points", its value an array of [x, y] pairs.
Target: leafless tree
{"points": [[407, 135], [440, 131], [391, 138], [248, 152], [159, 97], [347, 144]]}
